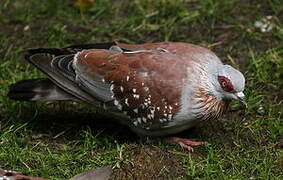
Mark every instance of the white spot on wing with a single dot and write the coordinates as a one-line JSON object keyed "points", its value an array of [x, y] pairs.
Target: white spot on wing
{"points": [[127, 102], [144, 119], [136, 123], [111, 87], [146, 88], [119, 106], [136, 96], [152, 111]]}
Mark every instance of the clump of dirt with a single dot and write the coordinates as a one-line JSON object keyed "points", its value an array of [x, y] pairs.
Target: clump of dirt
{"points": [[149, 163]]}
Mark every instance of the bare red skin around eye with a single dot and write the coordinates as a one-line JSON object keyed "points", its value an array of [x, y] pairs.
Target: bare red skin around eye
{"points": [[228, 87]]}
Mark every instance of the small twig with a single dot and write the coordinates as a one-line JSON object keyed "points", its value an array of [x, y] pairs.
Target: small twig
{"points": [[232, 60], [230, 26], [26, 166], [151, 14], [214, 44]]}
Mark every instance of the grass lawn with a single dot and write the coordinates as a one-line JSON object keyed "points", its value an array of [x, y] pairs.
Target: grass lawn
{"points": [[59, 140]]}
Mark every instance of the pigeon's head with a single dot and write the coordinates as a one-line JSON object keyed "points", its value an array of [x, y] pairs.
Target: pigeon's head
{"points": [[229, 83]]}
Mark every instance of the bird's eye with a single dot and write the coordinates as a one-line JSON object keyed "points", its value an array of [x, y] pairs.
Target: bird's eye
{"points": [[225, 84]]}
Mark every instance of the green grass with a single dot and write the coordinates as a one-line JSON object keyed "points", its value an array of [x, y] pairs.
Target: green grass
{"points": [[60, 140]]}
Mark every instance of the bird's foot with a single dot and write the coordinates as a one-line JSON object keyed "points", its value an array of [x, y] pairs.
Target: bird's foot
{"points": [[186, 143]]}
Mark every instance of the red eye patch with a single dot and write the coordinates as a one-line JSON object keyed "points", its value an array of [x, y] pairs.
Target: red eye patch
{"points": [[225, 84]]}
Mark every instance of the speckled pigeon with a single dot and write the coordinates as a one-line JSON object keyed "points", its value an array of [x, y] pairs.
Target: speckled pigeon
{"points": [[93, 174], [13, 175], [156, 89]]}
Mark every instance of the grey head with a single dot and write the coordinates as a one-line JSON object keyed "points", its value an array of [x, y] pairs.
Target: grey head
{"points": [[228, 83]]}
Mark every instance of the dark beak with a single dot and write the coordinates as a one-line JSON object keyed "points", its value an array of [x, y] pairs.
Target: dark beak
{"points": [[241, 98]]}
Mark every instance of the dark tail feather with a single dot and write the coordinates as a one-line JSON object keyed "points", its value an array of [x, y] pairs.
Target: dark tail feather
{"points": [[37, 90]]}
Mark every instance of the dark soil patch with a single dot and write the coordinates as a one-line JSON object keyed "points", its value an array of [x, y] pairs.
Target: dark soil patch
{"points": [[149, 163]]}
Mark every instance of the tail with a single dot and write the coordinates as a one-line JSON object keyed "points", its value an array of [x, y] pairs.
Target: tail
{"points": [[37, 90], [97, 173], [61, 84]]}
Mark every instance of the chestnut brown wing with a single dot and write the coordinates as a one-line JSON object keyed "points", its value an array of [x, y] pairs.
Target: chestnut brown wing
{"points": [[144, 83]]}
